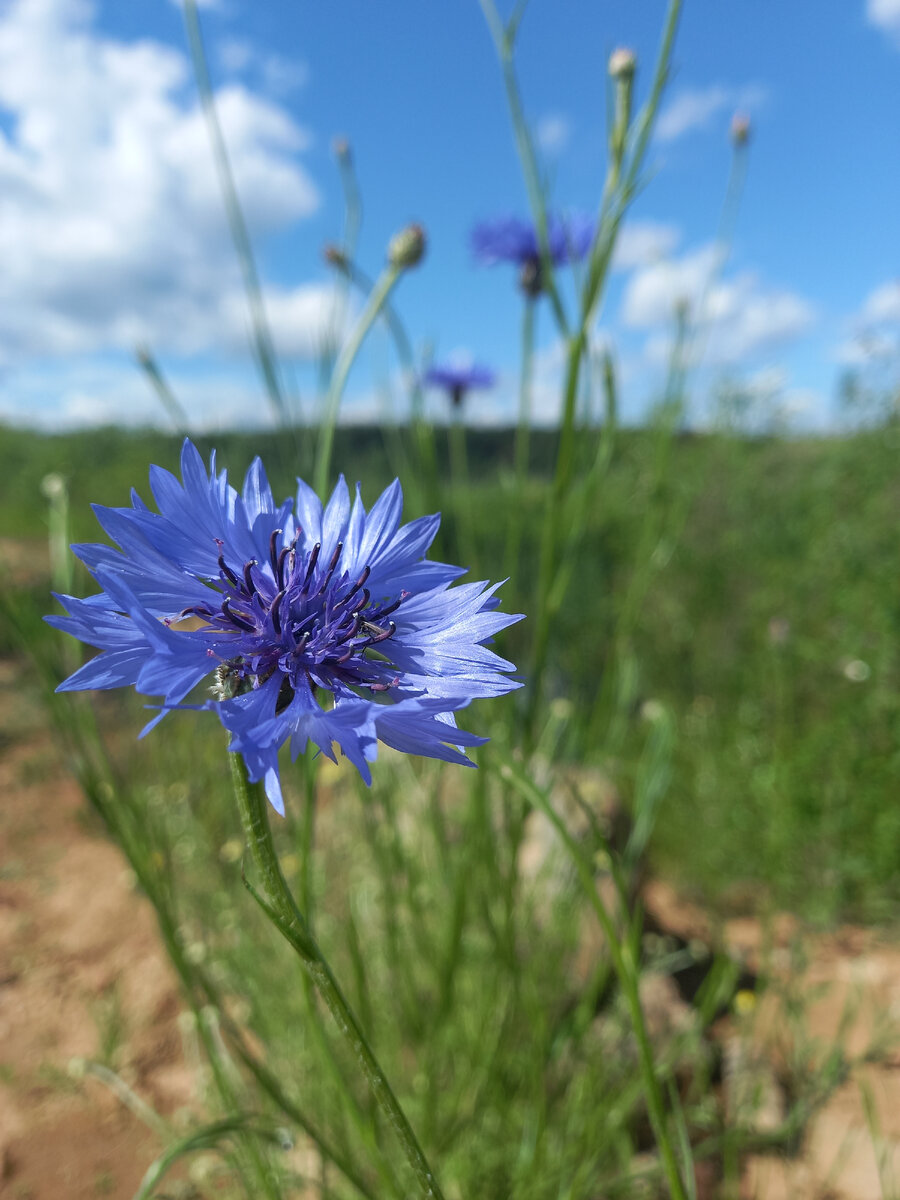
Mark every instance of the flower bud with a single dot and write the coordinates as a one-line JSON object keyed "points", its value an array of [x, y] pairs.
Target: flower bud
{"points": [[334, 256], [53, 486], [622, 64], [407, 247], [340, 147], [740, 129], [531, 278]]}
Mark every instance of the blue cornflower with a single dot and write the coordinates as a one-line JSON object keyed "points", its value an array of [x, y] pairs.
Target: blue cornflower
{"points": [[457, 380], [510, 239], [324, 626]]}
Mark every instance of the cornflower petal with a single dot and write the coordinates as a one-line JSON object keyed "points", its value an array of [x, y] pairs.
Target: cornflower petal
{"points": [[323, 626]]}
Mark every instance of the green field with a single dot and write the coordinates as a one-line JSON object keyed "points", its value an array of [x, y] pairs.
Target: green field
{"points": [[733, 612]]}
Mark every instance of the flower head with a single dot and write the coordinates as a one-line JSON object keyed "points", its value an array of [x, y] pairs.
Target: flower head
{"points": [[622, 63], [510, 239], [458, 380], [314, 625]]}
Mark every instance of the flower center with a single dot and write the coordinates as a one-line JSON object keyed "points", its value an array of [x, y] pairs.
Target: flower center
{"points": [[302, 617]]}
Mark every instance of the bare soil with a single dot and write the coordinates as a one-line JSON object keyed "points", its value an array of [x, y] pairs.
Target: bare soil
{"points": [[79, 951]]}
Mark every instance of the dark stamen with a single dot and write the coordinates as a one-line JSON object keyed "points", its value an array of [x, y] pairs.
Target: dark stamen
{"points": [[348, 596], [392, 607], [352, 631], [331, 568], [227, 572], [279, 565], [236, 619], [198, 610], [248, 576], [276, 615], [273, 549], [311, 565]]}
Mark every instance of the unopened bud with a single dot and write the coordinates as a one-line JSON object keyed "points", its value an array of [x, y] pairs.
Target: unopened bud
{"points": [[334, 256], [740, 129], [53, 486], [531, 278], [340, 148], [622, 63], [407, 247]]}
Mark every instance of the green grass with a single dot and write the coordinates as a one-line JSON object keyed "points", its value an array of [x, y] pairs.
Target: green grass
{"points": [[769, 567]]}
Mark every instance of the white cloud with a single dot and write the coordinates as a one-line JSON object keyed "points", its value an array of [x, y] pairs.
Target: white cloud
{"points": [[738, 315], [91, 391], [694, 108], [883, 304], [553, 133], [111, 223], [641, 243], [874, 331], [276, 74], [303, 321], [884, 14]]}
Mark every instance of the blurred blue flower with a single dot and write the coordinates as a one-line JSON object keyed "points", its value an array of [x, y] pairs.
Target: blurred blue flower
{"points": [[458, 380], [510, 239], [327, 626]]}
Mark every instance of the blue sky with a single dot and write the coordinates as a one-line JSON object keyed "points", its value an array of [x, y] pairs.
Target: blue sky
{"points": [[112, 234]]}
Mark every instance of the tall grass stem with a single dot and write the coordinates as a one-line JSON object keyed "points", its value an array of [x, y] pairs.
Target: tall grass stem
{"points": [[279, 904], [378, 297]]}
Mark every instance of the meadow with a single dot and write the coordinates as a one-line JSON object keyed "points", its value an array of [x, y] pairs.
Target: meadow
{"points": [[738, 583], [723, 689], [457, 983]]}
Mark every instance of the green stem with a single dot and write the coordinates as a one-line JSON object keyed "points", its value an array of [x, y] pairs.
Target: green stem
{"points": [[423, 435], [523, 436], [282, 910], [625, 965], [158, 382], [459, 476], [377, 299], [504, 41], [549, 556], [262, 337]]}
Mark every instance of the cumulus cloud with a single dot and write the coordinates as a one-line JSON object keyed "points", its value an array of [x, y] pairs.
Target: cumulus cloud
{"points": [[739, 314], [72, 394], [641, 243], [276, 74], [553, 133], [694, 109], [874, 331], [883, 304], [111, 223], [884, 14]]}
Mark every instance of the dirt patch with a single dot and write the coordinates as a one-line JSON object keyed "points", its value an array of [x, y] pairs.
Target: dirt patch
{"points": [[82, 976]]}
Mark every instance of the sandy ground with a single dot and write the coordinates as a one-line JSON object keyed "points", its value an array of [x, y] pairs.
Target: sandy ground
{"points": [[78, 950]]}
